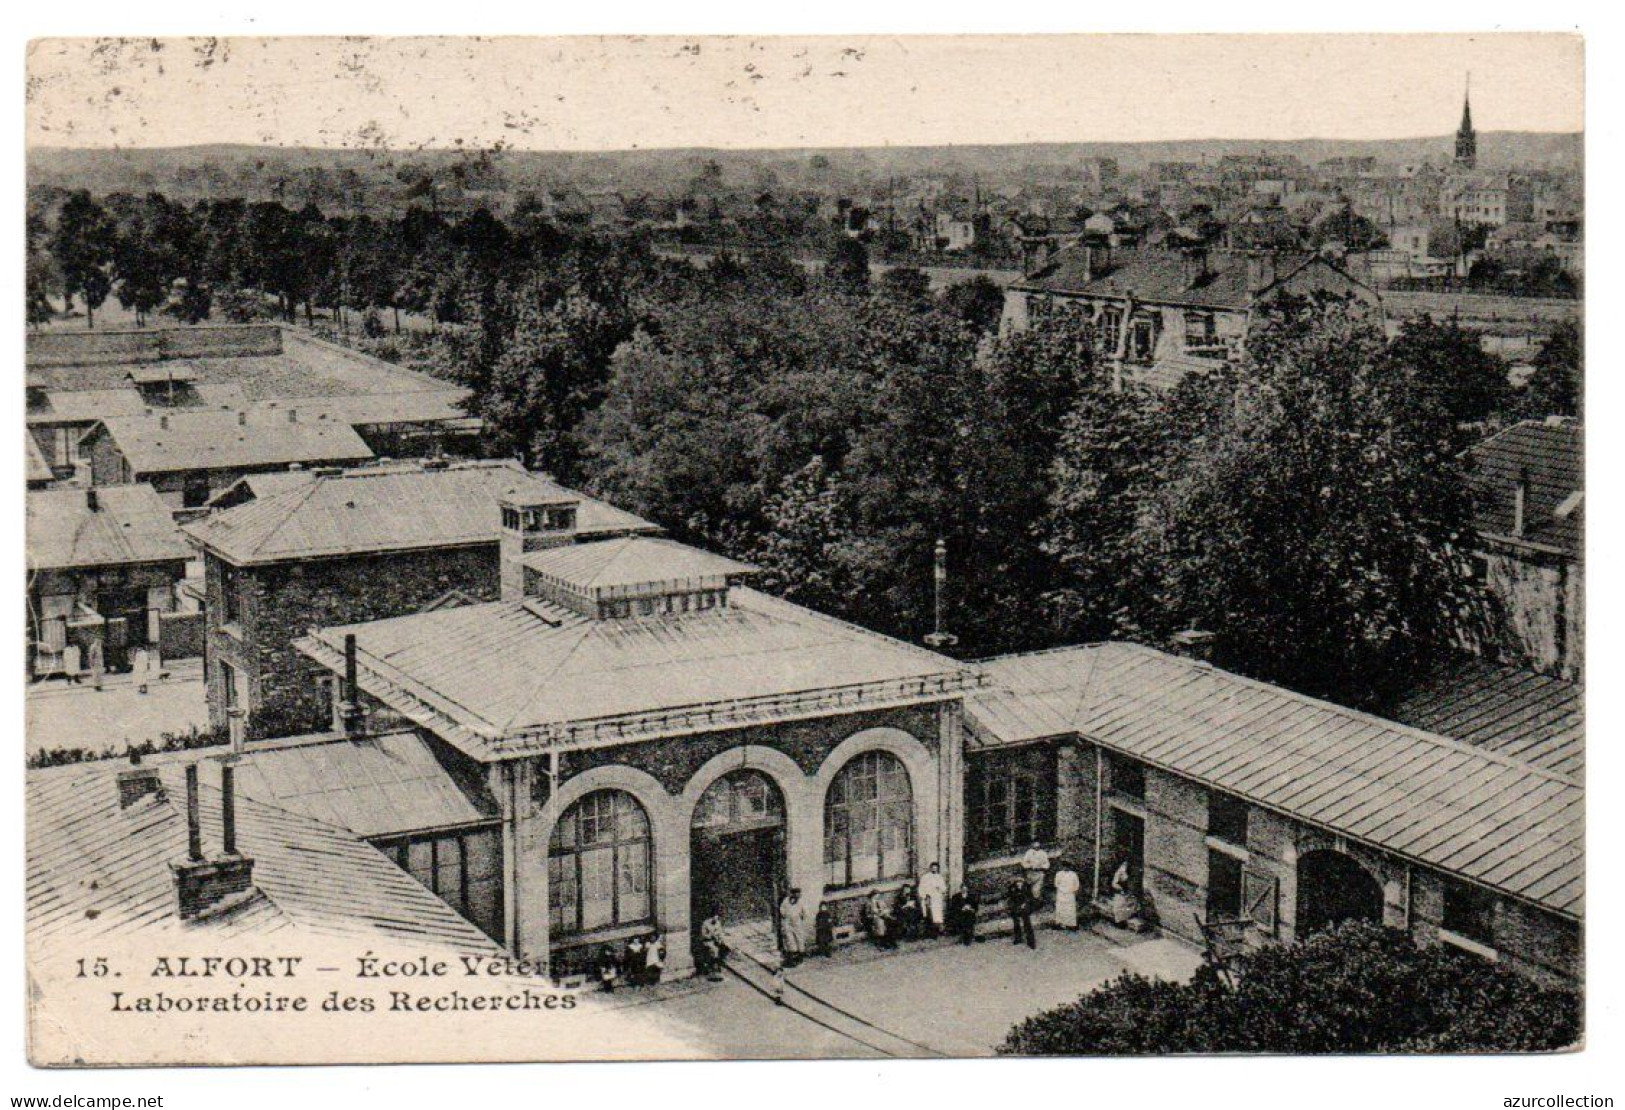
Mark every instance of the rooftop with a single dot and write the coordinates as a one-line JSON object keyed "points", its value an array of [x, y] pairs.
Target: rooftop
{"points": [[128, 525], [96, 869], [376, 786], [1519, 713], [1549, 458], [512, 678], [305, 514], [631, 566], [221, 440], [1467, 810], [1222, 279]]}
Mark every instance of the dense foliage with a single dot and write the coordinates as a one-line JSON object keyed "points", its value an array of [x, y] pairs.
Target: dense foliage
{"points": [[1358, 988], [831, 425]]}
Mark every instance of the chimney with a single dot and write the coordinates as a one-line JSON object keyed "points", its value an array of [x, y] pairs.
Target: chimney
{"points": [[237, 728], [1193, 266], [242, 419], [92, 499], [1193, 643], [1520, 494], [293, 416], [207, 886], [354, 716], [163, 420], [138, 782]]}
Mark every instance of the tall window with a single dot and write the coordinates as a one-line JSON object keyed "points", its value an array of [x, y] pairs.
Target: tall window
{"points": [[464, 869], [1009, 800], [598, 864], [869, 821]]}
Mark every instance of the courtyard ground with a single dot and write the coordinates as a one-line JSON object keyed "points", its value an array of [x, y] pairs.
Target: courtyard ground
{"points": [[64, 715], [927, 999]]}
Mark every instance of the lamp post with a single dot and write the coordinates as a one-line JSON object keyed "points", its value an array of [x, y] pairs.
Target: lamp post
{"points": [[939, 637]]}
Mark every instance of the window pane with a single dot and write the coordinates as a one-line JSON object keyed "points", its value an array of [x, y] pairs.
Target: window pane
{"points": [[448, 870], [597, 888], [634, 882]]}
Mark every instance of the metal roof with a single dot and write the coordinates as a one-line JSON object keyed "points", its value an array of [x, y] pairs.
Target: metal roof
{"points": [[1519, 713], [130, 524], [95, 869], [213, 439], [615, 567], [377, 786], [38, 469], [1475, 813], [505, 679], [1549, 458], [306, 515]]}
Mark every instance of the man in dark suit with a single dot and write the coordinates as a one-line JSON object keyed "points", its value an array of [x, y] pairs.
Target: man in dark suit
{"points": [[1018, 897]]}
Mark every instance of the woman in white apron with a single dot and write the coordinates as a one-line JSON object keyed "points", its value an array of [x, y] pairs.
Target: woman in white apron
{"points": [[1066, 897]]}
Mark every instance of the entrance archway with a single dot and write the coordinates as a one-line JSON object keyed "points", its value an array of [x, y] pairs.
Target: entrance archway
{"points": [[737, 849], [1333, 888]]}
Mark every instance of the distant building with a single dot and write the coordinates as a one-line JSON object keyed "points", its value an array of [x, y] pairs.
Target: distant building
{"points": [[1466, 138], [283, 552], [1529, 495], [1159, 315], [104, 570], [189, 457], [75, 379]]}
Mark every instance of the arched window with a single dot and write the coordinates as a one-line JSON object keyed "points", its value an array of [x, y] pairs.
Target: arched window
{"points": [[743, 799], [598, 864], [869, 821]]}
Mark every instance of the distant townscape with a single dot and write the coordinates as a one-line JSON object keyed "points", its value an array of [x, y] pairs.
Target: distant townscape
{"points": [[703, 574]]}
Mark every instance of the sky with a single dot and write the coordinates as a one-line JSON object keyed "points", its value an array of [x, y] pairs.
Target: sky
{"points": [[588, 93]]}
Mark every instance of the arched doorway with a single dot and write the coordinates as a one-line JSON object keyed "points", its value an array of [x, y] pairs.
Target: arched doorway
{"points": [[736, 849], [1333, 888]]}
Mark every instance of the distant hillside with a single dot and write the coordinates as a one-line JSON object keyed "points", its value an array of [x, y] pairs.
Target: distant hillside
{"points": [[247, 170]]}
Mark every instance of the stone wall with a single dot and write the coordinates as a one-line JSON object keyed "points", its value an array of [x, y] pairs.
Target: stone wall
{"points": [[282, 602], [669, 776], [1544, 607]]}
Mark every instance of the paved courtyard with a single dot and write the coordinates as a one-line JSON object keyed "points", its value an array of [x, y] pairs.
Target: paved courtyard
{"points": [[62, 715], [946, 999]]}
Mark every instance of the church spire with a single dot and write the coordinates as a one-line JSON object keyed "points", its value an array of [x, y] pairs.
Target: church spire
{"points": [[1466, 137]]}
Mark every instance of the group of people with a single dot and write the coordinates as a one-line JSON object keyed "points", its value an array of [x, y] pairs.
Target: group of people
{"points": [[640, 964], [1025, 894], [921, 909]]}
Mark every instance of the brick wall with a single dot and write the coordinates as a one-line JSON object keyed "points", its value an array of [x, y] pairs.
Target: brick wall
{"points": [[281, 603]]}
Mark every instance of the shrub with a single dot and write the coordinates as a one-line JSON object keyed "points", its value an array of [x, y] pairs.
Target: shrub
{"points": [[1359, 988]]}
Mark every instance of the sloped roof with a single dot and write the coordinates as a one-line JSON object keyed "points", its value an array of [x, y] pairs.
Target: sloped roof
{"points": [[613, 566], [1549, 457], [95, 869], [38, 469], [1519, 713], [508, 678], [129, 525], [1170, 277], [306, 515], [377, 786], [221, 440], [1495, 820]]}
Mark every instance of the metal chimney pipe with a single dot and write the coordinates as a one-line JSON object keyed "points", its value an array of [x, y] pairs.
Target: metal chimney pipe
{"points": [[228, 809], [194, 830], [351, 692]]}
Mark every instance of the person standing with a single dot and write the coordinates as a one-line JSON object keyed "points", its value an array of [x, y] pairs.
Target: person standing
{"points": [[635, 962], [1035, 865], [1019, 900], [933, 898], [609, 968], [1067, 885], [824, 931], [792, 927], [963, 908]]}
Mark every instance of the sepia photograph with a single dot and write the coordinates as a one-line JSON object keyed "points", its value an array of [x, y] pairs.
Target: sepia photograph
{"points": [[803, 547]]}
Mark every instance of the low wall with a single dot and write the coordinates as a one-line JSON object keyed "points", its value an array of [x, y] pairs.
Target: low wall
{"points": [[94, 348]]}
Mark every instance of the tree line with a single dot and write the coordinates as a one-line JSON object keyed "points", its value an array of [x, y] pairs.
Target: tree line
{"points": [[1308, 506]]}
